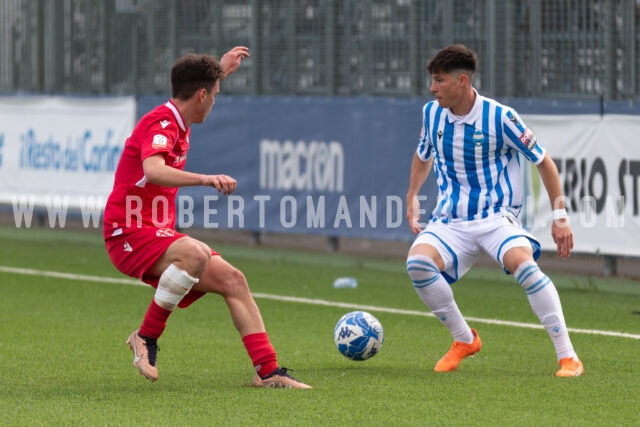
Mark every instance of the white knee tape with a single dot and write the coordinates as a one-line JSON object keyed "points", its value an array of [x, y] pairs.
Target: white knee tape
{"points": [[173, 285]]}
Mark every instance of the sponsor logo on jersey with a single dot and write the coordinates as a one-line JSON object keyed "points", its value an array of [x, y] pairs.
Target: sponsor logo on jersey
{"points": [[165, 232], [179, 159], [440, 133], [159, 141], [528, 139], [164, 123], [513, 119], [127, 247]]}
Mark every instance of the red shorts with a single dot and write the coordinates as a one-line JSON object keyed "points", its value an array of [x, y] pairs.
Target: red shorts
{"points": [[136, 250]]}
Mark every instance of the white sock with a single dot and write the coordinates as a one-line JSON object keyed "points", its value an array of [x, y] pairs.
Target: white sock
{"points": [[436, 293], [545, 302]]}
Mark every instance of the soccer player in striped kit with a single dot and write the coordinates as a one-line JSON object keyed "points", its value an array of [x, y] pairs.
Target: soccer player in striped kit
{"points": [[472, 144]]}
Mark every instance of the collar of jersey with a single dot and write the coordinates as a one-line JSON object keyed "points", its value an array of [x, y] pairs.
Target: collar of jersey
{"points": [[176, 114], [473, 115]]}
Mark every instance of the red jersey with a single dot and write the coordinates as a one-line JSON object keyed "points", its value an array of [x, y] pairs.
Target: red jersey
{"points": [[134, 202]]}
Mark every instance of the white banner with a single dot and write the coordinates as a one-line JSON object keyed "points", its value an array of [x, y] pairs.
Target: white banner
{"points": [[598, 158], [60, 151]]}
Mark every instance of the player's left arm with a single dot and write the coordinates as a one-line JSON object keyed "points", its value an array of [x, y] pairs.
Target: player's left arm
{"points": [[560, 230], [230, 61], [159, 173]]}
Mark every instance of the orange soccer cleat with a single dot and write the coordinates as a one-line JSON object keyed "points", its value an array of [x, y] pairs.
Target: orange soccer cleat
{"points": [[570, 367], [457, 352]]}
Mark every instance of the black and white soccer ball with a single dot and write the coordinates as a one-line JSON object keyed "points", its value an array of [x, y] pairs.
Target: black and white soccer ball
{"points": [[358, 335]]}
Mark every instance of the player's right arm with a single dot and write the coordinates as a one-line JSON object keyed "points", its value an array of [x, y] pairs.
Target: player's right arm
{"points": [[420, 168], [560, 229], [419, 172], [159, 173]]}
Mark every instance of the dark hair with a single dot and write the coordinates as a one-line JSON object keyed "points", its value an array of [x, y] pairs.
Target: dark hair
{"points": [[454, 57], [193, 72]]}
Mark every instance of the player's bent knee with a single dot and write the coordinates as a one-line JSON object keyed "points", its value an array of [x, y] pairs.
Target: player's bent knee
{"points": [[422, 270], [201, 253], [173, 285], [237, 280], [223, 279], [193, 256]]}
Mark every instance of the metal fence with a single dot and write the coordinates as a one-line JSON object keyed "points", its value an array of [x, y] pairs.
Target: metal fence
{"points": [[577, 49]]}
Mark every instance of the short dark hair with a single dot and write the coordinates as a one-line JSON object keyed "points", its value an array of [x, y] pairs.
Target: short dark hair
{"points": [[192, 72], [453, 57]]}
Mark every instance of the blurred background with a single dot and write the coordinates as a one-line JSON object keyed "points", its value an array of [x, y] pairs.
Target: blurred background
{"points": [[342, 75], [575, 49]]}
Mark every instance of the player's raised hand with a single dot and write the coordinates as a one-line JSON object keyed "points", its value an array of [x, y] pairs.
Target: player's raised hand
{"points": [[230, 61], [223, 183]]}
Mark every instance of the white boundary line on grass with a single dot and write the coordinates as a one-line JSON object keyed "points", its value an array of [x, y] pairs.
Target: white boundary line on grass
{"points": [[349, 306]]}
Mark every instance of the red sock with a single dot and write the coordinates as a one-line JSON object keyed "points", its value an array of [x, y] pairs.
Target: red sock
{"points": [[155, 320], [261, 352]]}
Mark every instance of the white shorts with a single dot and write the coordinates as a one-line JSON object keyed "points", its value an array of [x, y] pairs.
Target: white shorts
{"points": [[459, 243]]}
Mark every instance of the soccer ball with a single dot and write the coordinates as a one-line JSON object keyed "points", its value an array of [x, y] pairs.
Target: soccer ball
{"points": [[358, 335]]}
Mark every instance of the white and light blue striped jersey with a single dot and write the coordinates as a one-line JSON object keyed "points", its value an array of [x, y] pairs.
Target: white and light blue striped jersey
{"points": [[475, 158]]}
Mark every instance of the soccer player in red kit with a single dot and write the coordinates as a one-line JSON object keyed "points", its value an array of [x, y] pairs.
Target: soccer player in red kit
{"points": [[140, 215]]}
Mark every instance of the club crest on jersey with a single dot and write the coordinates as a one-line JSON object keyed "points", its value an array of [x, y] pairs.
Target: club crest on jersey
{"points": [[478, 138], [165, 232], [528, 139], [159, 141]]}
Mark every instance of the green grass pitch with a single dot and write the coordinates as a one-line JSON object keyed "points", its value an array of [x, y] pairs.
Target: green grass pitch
{"points": [[63, 360]]}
